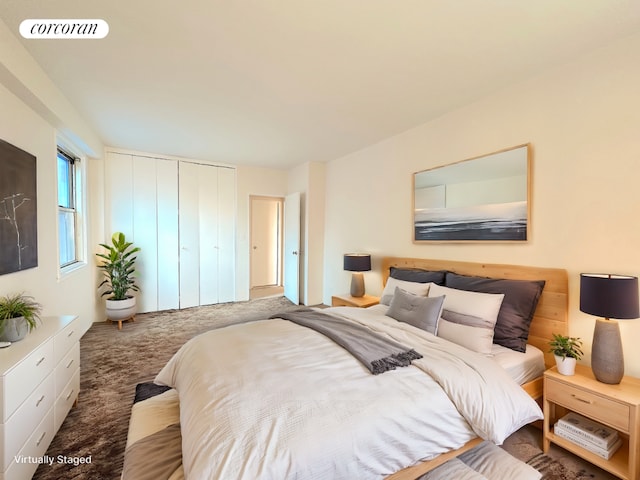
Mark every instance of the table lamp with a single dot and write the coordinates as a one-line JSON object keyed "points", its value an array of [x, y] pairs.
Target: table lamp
{"points": [[608, 296], [357, 263]]}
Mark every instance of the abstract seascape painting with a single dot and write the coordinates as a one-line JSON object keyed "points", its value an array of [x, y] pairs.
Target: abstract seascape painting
{"points": [[18, 210]]}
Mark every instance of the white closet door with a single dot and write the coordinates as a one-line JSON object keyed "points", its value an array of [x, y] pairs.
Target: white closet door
{"points": [[208, 219], [167, 235], [189, 225], [145, 229], [119, 194], [226, 234]]}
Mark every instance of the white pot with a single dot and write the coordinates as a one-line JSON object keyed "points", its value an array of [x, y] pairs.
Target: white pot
{"points": [[566, 366], [14, 329], [121, 309]]}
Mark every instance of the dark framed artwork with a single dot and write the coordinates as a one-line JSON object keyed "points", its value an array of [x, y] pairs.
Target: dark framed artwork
{"points": [[18, 210]]}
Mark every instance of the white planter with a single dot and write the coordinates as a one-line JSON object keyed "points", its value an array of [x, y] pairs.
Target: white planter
{"points": [[14, 329], [121, 309], [566, 366]]}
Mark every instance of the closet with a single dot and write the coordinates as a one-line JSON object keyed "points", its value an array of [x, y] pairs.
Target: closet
{"points": [[182, 216]]}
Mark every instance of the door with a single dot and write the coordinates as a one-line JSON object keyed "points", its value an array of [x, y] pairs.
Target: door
{"points": [[292, 247], [266, 241]]}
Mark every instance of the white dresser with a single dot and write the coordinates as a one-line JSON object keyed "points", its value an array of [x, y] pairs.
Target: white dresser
{"points": [[40, 383]]}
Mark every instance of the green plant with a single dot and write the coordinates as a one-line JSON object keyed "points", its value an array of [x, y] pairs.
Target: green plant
{"points": [[118, 267], [564, 346], [19, 305]]}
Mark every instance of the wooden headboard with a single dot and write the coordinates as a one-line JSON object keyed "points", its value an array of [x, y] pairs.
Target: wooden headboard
{"points": [[551, 315]]}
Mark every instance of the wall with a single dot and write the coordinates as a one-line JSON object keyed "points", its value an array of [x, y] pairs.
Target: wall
{"points": [[33, 112], [582, 120]]}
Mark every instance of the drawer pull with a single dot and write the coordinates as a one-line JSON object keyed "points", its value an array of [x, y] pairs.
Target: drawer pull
{"points": [[40, 361], [39, 401], [40, 439], [70, 333], [70, 393], [581, 399], [70, 363]]}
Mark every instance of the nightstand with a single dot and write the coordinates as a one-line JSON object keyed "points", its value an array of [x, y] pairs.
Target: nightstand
{"points": [[617, 406], [349, 301]]}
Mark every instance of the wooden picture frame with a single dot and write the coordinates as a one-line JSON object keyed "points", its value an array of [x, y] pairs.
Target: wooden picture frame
{"points": [[482, 199]]}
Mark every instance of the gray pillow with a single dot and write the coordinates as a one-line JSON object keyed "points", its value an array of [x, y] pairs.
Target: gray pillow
{"points": [[516, 312], [417, 275], [421, 312]]}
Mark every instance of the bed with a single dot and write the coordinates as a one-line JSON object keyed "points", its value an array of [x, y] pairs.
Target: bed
{"points": [[376, 426]]}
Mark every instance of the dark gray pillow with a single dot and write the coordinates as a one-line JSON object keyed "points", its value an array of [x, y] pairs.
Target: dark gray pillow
{"points": [[418, 276], [516, 312], [421, 312]]}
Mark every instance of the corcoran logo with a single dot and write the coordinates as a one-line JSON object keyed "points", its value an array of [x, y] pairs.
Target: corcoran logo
{"points": [[67, 29]]}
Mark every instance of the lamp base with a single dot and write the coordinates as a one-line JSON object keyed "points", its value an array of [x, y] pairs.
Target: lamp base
{"points": [[357, 284], [607, 361]]}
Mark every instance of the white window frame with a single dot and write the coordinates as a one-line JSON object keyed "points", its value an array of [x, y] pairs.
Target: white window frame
{"points": [[79, 182]]}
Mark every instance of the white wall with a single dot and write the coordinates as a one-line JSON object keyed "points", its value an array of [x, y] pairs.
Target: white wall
{"points": [[33, 111], [582, 121]]}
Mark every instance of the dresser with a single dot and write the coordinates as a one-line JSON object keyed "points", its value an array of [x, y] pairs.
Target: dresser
{"points": [[39, 385]]}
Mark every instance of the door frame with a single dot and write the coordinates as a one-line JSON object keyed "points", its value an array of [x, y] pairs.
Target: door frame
{"points": [[280, 263]]}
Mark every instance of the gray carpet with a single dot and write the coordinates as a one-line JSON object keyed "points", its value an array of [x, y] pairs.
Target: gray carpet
{"points": [[113, 362]]}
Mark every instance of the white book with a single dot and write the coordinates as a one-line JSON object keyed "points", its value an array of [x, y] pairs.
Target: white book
{"points": [[594, 432], [581, 442]]}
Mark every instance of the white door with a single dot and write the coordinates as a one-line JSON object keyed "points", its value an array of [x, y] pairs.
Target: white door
{"points": [[292, 247], [189, 225]]}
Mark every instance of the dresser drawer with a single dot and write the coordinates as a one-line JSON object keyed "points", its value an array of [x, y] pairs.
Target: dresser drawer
{"points": [[66, 338], [27, 375], [66, 399], [589, 404], [27, 417], [24, 465], [67, 367]]}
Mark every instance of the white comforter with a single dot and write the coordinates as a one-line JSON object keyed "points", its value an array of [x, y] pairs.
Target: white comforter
{"points": [[274, 400]]}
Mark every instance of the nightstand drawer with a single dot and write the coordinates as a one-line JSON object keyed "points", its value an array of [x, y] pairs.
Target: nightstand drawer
{"points": [[589, 404]]}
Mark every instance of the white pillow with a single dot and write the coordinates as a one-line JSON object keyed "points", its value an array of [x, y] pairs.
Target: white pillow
{"points": [[468, 318], [477, 339], [420, 289], [483, 305]]}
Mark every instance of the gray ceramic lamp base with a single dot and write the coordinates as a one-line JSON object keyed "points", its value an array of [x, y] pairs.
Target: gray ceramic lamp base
{"points": [[607, 361], [357, 284]]}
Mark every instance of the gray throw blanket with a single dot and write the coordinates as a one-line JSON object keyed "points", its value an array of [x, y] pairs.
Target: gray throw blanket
{"points": [[374, 351]]}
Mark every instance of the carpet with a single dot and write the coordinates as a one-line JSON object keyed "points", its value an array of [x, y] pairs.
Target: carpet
{"points": [[113, 362]]}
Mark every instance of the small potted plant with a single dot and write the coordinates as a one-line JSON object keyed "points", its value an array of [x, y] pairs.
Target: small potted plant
{"points": [[19, 314], [566, 350], [119, 271]]}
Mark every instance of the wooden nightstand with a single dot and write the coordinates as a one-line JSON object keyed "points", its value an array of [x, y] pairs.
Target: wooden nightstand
{"points": [[617, 406], [349, 301]]}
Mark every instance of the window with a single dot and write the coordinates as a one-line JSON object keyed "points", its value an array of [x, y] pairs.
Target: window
{"points": [[69, 209]]}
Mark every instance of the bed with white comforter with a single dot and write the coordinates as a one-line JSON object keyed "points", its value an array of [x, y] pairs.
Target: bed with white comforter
{"points": [[274, 400]]}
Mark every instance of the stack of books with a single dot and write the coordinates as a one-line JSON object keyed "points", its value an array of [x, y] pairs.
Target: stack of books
{"points": [[590, 435]]}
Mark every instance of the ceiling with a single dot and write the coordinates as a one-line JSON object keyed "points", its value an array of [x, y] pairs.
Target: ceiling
{"points": [[276, 83]]}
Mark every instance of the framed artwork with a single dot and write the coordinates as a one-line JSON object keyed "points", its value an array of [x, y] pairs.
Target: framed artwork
{"points": [[483, 199], [18, 210]]}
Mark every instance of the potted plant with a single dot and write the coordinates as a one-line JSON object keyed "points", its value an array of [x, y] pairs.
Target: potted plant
{"points": [[19, 314], [566, 350], [118, 268]]}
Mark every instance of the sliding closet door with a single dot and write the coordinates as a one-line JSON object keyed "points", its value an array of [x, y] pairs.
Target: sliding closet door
{"points": [[207, 234], [208, 221], [189, 194], [167, 235], [145, 227]]}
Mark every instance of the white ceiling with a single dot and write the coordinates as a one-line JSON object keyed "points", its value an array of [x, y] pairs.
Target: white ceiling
{"points": [[280, 82]]}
